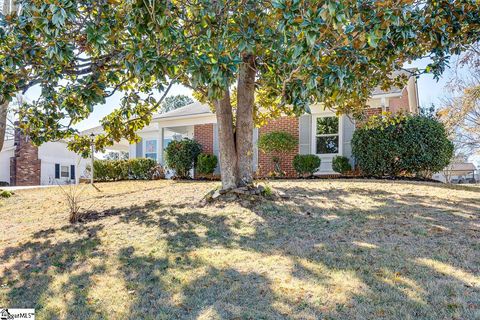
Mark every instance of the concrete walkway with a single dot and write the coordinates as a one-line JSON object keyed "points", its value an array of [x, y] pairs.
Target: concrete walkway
{"points": [[26, 187]]}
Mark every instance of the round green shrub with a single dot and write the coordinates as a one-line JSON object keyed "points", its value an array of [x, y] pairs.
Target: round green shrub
{"points": [[395, 145], [306, 164], [277, 143], [206, 163], [341, 164], [181, 156]]}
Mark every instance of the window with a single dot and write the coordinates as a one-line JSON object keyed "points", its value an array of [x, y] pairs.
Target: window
{"points": [[65, 172], [327, 136], [151, 149]]}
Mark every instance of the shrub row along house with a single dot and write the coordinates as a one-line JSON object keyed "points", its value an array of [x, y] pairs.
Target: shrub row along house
{"points": [[322, 132]]}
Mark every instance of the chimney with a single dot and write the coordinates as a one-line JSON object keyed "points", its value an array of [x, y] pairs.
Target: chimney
{"points": [[24, 165]]}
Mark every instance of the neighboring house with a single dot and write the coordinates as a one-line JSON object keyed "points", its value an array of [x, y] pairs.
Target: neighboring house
{"points": [[197, 121], [458, 172], [23, 164]]}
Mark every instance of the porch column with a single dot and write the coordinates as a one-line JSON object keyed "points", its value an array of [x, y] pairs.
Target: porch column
{"points": [[161, 133]]}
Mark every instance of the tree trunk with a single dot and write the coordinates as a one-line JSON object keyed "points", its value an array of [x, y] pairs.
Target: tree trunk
{"points": [[3, 121], [228, 152], [244, 125]]}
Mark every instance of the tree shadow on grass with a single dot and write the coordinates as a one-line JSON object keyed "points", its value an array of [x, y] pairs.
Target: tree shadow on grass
{"points": [[29, 271], [409, 256], [213, 293], [383, 246]]}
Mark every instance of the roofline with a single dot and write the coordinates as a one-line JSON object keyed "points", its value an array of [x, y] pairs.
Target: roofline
{"points": [[197, 114], [387, 95]]}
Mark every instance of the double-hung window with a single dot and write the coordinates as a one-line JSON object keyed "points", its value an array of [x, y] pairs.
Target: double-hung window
{"points": [[327, 135], [151, 149], [65, 171]]}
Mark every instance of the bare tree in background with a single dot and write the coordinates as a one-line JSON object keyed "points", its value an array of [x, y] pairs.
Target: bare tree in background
{"points": [[175, 102], [461, 111], [116, 155], [6, 6]]}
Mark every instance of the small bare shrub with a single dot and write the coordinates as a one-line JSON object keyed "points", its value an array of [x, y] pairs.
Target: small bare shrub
{"points": [[73, 195]]}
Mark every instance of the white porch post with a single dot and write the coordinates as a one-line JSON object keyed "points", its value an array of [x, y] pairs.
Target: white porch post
{"points": [[161, 133]]}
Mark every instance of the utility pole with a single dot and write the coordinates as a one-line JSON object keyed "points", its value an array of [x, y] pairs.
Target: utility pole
{"points": [[92, 145]]}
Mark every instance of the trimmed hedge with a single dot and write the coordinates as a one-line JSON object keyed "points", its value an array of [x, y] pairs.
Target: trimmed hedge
{"points": [[132, 169], [341, 164], [181, 156], [402, 145], [276, 144], [306, 164], [206, 163]]}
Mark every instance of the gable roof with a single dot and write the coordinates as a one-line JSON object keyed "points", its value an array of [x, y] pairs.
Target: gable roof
{"points": [[395, 90], [462, 167], [193, 109]]}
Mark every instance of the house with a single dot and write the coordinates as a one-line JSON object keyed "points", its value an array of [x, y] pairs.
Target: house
{"points": [[24, 164], [196, 121], [458, 172]]}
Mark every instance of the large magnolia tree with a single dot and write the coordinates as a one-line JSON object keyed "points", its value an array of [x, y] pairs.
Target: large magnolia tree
{"points": [[284, 53]]}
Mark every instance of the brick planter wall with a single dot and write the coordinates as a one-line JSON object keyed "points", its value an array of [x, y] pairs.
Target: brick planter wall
{"points": [[203, 133], [24, 165], [265, 164]]}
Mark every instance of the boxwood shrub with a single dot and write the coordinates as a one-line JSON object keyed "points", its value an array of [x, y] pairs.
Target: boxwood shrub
{"points": [[306, 164], [341, 164], [395, 145], [206, 163], [132, 169]]}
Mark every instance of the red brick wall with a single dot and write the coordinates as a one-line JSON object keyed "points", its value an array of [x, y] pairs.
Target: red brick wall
{"points": [[373, 111], [400, 103], [265, 164], [24, 165], [203, 133]]}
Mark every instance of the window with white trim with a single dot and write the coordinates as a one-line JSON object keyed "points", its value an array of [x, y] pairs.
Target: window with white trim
{"points": [[151, 149], [65, 171], [327, 135]]}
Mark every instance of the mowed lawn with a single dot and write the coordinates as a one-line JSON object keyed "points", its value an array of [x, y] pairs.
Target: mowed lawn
{"points": [[348, 249]]}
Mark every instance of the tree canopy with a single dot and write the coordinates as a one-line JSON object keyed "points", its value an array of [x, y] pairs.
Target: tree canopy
{"points": [[291, 52], [175, 102]]}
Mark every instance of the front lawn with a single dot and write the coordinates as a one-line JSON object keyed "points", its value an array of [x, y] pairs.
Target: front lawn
{"points": [[333, 250]]}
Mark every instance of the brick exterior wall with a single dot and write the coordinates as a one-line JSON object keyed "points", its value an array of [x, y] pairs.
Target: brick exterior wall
{"points": [[400, 103], [373, 111], [203, 133], [265, 163], [24, 165]]}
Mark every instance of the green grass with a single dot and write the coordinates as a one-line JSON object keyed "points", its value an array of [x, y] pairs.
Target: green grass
{"points": [[332, 250]]}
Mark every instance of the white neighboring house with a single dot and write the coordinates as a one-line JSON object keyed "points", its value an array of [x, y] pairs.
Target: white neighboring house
{"points": [[23, 164], [458, 172]]}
